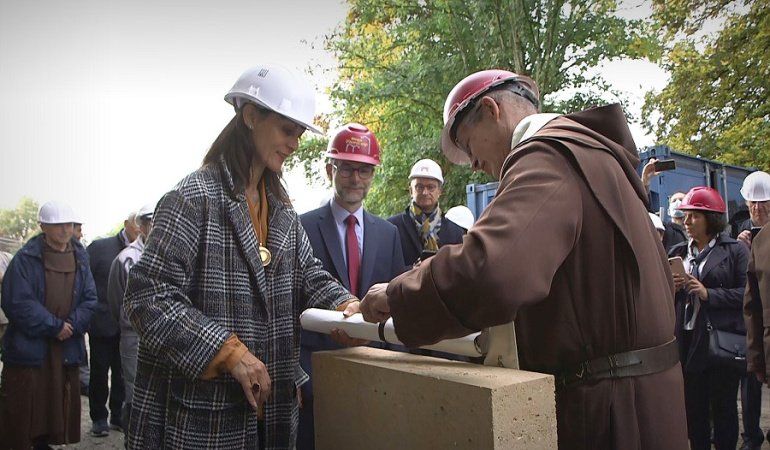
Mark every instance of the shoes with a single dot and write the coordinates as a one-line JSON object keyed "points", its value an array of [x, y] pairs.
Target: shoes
{"points": [[749, 446], [100, 429], [116, 425], [116, 422]]}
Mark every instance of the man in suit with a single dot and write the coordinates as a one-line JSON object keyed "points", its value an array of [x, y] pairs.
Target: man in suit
{"points": [[422, 227], [356, 247], [104, 335]]}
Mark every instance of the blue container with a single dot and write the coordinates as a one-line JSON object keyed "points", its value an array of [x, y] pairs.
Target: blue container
{"points": [[479, 196], [690, 171], [694, 171]]}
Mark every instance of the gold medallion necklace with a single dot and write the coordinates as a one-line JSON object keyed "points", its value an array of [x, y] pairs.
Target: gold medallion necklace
{"points": [[259, 218]]}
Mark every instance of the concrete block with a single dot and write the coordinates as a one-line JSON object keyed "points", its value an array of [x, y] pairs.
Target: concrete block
{"points": [[367, 398]]}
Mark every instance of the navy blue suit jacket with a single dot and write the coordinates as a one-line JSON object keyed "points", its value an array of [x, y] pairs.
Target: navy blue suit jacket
{"points": [[381, 261], [724, 275]]}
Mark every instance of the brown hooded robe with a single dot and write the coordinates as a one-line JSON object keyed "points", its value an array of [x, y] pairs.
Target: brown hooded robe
{"points": [[566, 249]]}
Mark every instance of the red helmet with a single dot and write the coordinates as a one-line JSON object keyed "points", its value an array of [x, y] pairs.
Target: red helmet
{"points": [[469, 89], [354, 142], [703, 198]]}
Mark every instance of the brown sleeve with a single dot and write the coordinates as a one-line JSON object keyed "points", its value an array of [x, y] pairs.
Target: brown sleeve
{"points": [[228, 356], [752, 313], [507, 260]]}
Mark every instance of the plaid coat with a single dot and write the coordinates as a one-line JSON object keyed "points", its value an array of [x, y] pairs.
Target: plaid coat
{"points": [[199, 280]]}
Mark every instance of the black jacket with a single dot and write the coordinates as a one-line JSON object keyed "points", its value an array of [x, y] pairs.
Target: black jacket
{"points": [[101, 253], [724, 275], [672, 235]]}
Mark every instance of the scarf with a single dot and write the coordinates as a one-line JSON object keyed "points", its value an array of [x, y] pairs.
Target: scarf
{"points": [[428, 226], [259, 214]]}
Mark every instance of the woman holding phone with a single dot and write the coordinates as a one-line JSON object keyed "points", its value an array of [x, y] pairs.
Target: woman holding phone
{"points": [[710, 293]]}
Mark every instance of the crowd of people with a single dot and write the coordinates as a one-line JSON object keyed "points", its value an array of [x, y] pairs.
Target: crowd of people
{"points": [[192, 309]]}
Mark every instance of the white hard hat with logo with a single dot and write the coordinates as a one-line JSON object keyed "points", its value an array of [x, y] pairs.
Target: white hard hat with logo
{"points": [[756, 187], [277, 89], [55, 212], [427, 168], [461, 215]]}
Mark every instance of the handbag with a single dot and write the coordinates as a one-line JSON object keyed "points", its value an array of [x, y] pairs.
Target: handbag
{"points": [[726, 348]]}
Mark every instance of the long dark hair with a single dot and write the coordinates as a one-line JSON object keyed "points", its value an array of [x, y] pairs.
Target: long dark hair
{"points": [[235, 144]]}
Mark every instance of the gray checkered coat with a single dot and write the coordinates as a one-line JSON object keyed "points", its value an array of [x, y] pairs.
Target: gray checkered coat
{"points": [[199, 280]]}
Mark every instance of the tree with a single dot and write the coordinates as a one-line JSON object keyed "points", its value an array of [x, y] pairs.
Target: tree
{"points": [[717, 103], [398, 60], [20, 223]]}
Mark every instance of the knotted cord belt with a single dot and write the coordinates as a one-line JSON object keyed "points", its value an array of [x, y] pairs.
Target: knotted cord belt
{"points": [[634, 363]]}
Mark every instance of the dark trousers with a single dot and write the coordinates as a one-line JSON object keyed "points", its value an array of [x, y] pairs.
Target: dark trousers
{"points": [[306, 431], [751, 407], [713, 391], [105, 361]]}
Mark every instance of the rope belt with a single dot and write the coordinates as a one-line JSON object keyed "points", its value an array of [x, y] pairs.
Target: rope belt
{"points": [[634, 363]]}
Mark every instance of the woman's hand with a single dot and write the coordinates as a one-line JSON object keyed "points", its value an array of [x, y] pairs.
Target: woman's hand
{"points": [[679, 281], [252, 374], [694, 286]]}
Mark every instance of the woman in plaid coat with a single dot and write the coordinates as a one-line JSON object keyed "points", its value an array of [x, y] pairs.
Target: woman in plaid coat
{"points": [[217, 294]]}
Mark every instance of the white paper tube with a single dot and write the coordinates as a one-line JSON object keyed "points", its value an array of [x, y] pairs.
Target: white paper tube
{"points": [[323, 320]]}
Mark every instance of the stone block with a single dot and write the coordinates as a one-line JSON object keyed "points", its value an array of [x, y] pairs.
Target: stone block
{"points": [[372, 399]]}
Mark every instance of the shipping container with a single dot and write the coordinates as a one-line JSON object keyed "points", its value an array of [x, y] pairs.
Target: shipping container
{"points": [[690, 171]]}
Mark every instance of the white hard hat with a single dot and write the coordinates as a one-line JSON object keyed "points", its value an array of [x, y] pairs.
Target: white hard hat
{"points": [[461, 215], [54, 212], [146, 211], [427, 168], [756, 187], [657, 222], [277, 89]]}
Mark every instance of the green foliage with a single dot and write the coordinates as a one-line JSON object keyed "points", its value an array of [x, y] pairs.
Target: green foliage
{"points": [[397, 61], [717, 103], [20, 223], [688, 17]]}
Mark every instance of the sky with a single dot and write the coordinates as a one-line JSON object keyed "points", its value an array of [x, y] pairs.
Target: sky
{"points": [[106, 105]]}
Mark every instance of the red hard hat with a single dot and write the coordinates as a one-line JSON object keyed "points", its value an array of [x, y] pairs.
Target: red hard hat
{"points": [[703, 198], [354, 142], [469, 89]]}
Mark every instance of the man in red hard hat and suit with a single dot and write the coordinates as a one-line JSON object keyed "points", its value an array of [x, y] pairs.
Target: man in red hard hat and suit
{"points": [[355, 246], [567, 251]]}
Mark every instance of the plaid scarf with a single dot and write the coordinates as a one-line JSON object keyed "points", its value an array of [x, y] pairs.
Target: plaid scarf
{"points": [[428, 225]]}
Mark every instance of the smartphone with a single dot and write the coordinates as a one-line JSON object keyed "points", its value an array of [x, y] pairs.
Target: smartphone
{"points": [[665, 164], [754, 231], [677, 266]]}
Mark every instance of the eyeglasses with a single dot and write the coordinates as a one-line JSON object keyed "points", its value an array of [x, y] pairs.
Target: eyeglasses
{"points": [[425, 187], [346, 171]]}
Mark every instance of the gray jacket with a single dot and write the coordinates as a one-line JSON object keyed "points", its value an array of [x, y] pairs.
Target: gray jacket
{"points": [[116, 286]]}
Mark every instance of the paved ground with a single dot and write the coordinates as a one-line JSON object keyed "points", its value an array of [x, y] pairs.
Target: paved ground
{"points": [[112, 442]]}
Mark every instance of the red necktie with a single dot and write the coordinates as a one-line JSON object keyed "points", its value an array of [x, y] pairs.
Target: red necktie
{"points": [[354, 260]]}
